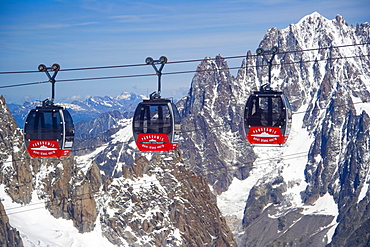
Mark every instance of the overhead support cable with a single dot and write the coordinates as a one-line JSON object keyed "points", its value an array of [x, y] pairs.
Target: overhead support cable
{"points": [[181, 61], [177, 72]]}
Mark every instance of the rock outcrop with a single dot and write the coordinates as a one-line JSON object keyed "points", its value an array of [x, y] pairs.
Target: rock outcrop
{"points": [[162, 203]]}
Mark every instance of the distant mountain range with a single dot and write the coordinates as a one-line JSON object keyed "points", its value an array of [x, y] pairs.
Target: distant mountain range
{"points": [[87, 109]]}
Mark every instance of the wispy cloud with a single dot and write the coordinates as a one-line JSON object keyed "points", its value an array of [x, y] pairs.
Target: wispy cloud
{"points": [[66, 25]]}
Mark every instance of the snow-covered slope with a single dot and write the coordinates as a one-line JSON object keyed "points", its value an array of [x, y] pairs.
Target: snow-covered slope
{"points": [[288, 161], [39, 228], [115, 150]]}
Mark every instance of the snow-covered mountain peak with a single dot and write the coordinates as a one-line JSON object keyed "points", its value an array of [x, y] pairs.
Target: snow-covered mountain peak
{"points": [[314, 31], [128, 96], [321, 47], [312, 18], [341, 20]]}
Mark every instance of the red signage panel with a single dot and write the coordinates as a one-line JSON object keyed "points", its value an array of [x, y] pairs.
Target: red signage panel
{"points": [[266, 136], [46, 149], [154, 142]]}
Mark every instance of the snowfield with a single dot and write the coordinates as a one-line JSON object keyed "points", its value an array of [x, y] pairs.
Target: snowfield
{"points": [[38, 227]]}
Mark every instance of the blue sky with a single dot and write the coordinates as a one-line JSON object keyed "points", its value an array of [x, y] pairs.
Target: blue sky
{"points": [[86, 33]]}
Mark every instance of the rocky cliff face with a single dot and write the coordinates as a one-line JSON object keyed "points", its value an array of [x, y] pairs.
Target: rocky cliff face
{"points": [[162, 203], [69, 193], [299, 194], [331, 87], [17, 179], [213, 140], [15, 168]]}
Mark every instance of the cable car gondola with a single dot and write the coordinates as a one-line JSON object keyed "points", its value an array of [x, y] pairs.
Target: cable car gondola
{"points": [[156, 122], [49, 129], [156, 125], [267, 118], [267, 113]]}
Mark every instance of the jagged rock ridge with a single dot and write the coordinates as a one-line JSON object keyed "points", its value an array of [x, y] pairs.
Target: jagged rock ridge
{"points": [[9, 236], [213, 139]]}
